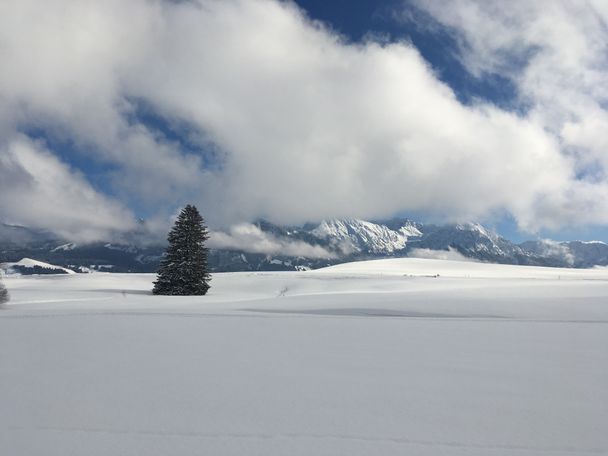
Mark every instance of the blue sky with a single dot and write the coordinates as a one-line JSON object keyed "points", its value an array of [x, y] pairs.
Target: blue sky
{"points": [[362, 19], [437, 110]]}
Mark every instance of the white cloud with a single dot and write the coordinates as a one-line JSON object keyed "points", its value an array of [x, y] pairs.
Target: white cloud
{"points": [[550, 248], [315, 128], [450, 254], [38, 190], [311, 127], [556, 54], [250, 238]]}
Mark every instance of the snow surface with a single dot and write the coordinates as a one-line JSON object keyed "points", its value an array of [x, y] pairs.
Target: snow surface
{"points": [[388, 357]]}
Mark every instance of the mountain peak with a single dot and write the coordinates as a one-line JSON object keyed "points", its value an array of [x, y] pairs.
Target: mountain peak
{"points": [[365, 237]]}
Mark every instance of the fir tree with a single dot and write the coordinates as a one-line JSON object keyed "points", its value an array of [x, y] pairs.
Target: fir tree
{"points": [[183, 269], [3, 293]]}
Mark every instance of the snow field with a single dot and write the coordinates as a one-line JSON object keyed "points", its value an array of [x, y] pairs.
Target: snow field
{"points": [[366, 358]]}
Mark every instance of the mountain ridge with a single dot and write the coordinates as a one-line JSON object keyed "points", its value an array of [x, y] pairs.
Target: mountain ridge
{"points": [[342, 240]]}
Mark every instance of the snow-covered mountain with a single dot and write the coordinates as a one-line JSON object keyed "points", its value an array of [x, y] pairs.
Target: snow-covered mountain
{"points": [[588, 253], [342, 240], [353, 235], [354, 239], [578, 254], [474, 241]]}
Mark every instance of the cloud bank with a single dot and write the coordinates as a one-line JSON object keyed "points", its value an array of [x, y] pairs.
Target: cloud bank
{"points": [[450, 254], [250, 238], [555, 52], [39, 190], [302, 125]]}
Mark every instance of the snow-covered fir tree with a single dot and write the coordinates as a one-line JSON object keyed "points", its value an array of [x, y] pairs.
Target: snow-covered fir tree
{"points": [[183, 269], [3, 293]]}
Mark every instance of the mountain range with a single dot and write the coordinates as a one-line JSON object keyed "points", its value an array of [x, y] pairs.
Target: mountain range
{"points": [[333, 241]]}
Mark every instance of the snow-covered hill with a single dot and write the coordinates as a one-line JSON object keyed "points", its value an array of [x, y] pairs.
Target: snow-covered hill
{"points": [[27, 266]]}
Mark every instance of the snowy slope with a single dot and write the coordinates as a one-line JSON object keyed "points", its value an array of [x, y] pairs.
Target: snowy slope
{"points": [[378, 357], [65, 247], [29, 266], [418, 267]]}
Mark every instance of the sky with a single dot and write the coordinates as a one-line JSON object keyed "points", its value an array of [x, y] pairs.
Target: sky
{"points": [[440, 110]]}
